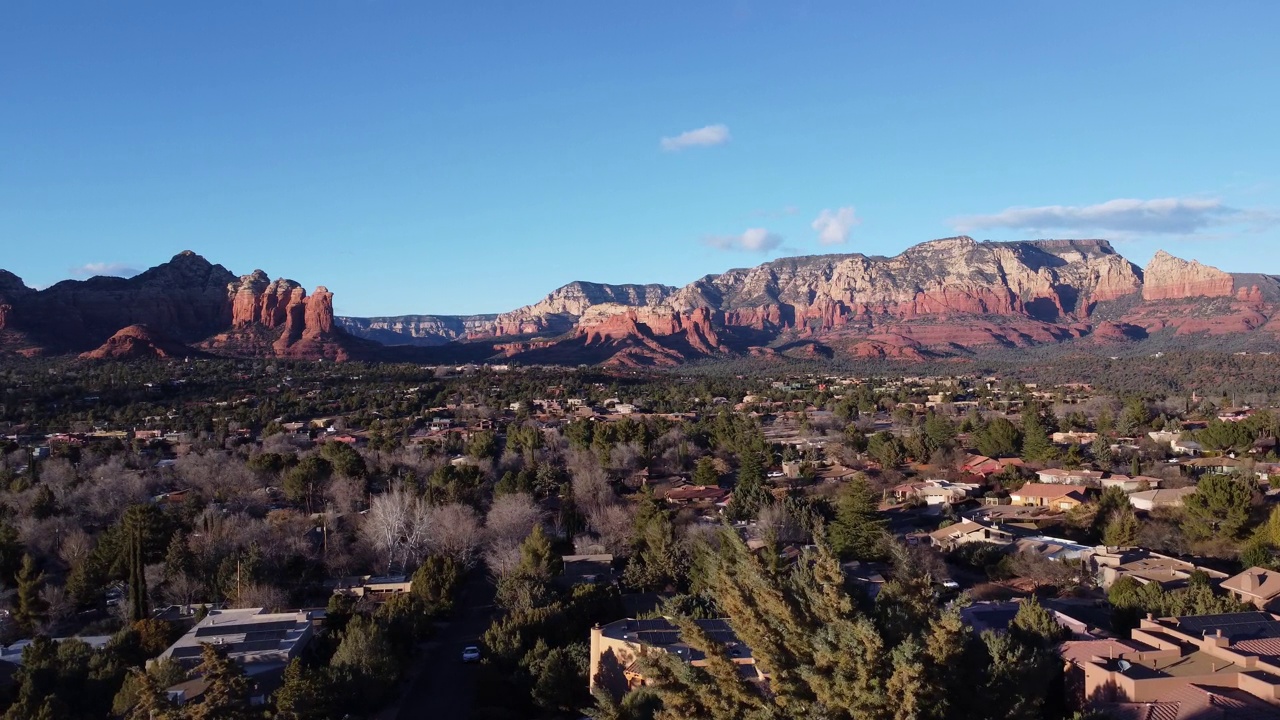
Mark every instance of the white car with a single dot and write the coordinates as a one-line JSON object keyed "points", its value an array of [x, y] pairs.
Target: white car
{"points": [[470, 654]]}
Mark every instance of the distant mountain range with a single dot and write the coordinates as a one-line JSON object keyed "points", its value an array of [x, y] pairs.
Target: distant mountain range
{"points": [[944, 298]]}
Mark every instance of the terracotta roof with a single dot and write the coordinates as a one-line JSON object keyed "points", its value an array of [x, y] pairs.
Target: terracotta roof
{"points": [[1047, 491]]}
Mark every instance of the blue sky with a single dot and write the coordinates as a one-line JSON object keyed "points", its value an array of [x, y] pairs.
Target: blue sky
{"points": [[472, 156]]}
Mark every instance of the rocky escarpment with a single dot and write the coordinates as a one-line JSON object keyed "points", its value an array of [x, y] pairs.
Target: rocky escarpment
{"points": [[422, 330], [1171, 278], [186, 301], [944, 297]]}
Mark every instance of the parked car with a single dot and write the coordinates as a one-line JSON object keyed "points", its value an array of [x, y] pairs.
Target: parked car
{"points": [[470, 654]]}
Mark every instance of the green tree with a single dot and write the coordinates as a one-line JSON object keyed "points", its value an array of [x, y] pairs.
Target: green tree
{"points": [[858, 531], [749, 493], [11, 553], [537, 557], [1035, 440], [305, 482], [1121, 529], [886, 449], [999, 438], [483, 444], [365, 662], [226, 696], [344, 459], [29, 608], [705, 472], [1218, 508], [305, 694], [1101, 450]]}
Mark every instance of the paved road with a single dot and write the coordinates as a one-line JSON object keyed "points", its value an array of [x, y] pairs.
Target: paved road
{"points": [[444, 687]]}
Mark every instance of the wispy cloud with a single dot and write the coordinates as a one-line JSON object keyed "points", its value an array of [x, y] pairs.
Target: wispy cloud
{"points": [[114, 269], [753, 240], [703, 136], [1163, 216], [834, 226]]}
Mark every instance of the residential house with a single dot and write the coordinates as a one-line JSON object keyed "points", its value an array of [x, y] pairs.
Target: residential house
{"points": [[586, 569], [1146, 567], [1062, 476], [1186, 447], [1214, 465], [1184, 668], [1149, 500], [967, 531], [1058, 497], [377, 587], [1130, 484], [616, 649], [262, 643], [1257, 586], [1074, 438], [686, 494], [936, 492]]}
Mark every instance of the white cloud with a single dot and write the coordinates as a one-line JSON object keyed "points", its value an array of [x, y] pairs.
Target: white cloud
{"points": [[113, 269], [1164, 216], [709, 135], [753, 240], [834, 226]]}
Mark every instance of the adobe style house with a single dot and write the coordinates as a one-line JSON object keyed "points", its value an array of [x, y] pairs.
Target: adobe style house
{"points": [[1149, 500], [1144, 566], [1184, 668], [1058, 497], [1257, 586], [967, 531], [617, 650]]}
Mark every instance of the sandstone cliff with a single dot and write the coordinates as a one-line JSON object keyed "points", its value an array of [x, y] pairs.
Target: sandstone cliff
{"points": [[1171, 278], [423, 330], [186, 301]]}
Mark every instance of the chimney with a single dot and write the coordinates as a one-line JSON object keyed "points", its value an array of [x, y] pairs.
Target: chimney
{"points": [[1249, 583]]}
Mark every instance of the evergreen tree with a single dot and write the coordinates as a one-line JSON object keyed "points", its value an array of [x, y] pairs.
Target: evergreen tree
{"points": [[305, 694], [1121, 529], [749, 494], [29, 608], [227, 694], [999, 438], [10, 553], [705, 473], [537, 558], [1035, 440], [858, 531], [1219, 507]]}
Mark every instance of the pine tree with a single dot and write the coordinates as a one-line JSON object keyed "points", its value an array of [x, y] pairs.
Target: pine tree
{"points": [[29, 608], [1219, 507], [749, 494], [537, 558], [227, 694], [858, 530], [153, 703], [705, 473], [305, 694], [1035, 441], [1121, 529]]}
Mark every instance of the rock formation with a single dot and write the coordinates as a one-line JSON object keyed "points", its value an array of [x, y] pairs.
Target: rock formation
{"points": [[948, 297], [1171, 278], [186, 301], [138, 342]]}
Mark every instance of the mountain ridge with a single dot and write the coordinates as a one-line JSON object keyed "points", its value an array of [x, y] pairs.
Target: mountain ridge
{"points": [[942, 298]]}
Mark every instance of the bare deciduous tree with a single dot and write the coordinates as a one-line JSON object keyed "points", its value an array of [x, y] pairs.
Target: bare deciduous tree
{"points": [[613, 524], [510, 520], [454, 532]]}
